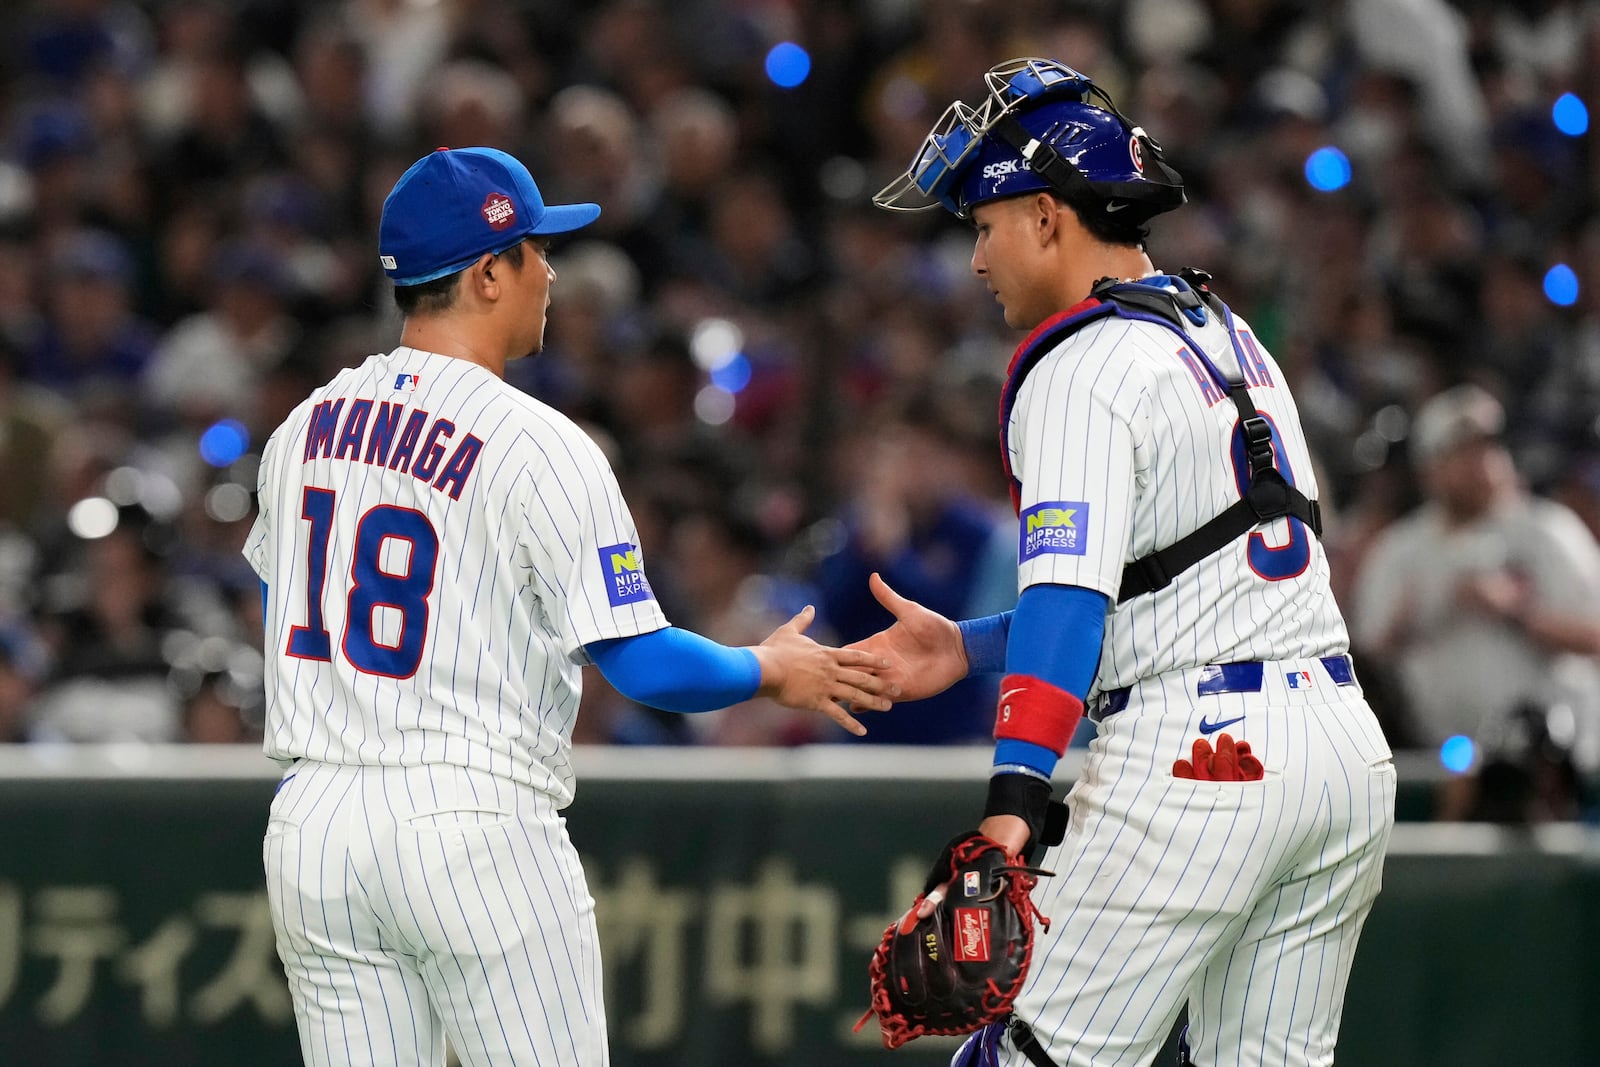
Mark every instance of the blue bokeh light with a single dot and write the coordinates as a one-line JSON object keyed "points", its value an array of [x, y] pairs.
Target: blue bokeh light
{"points": [[1457, 754], [224, 442], [1561, 285], [1328, 169], [788, 64], [1570, 115], [733, 375]]}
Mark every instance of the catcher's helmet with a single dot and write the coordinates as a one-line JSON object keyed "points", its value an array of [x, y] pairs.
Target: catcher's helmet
{"points": [[1042, 126]]}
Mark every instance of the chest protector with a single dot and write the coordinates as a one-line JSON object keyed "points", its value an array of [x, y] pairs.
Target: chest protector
{"points": [[1269, 495]]}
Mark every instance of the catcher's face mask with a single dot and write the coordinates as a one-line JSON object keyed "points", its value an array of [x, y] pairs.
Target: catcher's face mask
{"points": [[1043, 125]]}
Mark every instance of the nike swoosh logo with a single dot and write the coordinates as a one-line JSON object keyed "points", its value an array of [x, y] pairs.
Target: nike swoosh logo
{"points": [[1213, 727], [1114, 206], [1009, 693]]}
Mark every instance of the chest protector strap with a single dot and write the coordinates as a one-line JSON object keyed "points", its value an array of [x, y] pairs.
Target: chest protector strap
{"points": [[1269, 495]]}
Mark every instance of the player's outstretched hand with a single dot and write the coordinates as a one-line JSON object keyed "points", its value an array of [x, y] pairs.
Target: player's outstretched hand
{"points": [[799, 673], [925, 652]]}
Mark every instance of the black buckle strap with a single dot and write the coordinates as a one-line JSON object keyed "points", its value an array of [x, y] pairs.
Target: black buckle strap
{"points": [[1200, 282], [1160, 184], [1156, 571], [1257, 437], [1044, 160], [1023, 1038], [1269, 497]]}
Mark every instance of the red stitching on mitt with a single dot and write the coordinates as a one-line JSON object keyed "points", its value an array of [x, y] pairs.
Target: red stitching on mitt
{"points": [[962, 966]]}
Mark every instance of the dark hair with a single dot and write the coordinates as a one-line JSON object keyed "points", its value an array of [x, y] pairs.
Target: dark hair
{"points": [[1111, 231], [439, 295], [1107, 228]]}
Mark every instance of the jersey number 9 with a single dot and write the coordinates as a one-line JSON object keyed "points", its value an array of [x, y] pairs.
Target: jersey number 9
{"points": [[1288, 560], [371, 587]]}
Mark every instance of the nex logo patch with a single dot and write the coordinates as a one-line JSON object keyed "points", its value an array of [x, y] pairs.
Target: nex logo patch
{"points": [[1053, 526], [624, 575]]}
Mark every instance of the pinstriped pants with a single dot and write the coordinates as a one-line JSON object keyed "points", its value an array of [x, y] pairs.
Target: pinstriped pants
{"points": [[417, 903], [1244, 900]]}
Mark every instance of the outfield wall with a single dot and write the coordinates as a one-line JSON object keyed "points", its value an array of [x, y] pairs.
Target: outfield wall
{"points": [[739, 894]]}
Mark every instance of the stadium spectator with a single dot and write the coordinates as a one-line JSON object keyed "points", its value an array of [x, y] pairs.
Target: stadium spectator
{"points": [[91, 340], [1485, 601]]}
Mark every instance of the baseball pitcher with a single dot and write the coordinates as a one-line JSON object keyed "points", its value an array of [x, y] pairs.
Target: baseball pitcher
{"points": [[440, 555]]}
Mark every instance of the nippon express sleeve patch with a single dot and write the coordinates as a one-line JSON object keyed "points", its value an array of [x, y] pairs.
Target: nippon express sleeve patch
{"points": [[1053, 526], [623, 568]]}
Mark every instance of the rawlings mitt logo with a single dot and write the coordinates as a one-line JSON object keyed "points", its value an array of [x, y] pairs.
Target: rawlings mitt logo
{"points": [[972, 935]]}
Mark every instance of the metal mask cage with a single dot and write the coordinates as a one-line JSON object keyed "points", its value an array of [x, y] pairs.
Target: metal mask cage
{"points": [[1019, 80], [928, 181]]}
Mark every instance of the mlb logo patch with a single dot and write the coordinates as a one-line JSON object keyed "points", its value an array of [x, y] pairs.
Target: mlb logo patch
{"points": [[407, 381], [1299, 680], [971, 886], [1053, 526], [623, 568], [972, 935]]}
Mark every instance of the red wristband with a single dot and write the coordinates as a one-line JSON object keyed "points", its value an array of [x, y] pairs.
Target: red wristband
{"points": [[1033, 710]]}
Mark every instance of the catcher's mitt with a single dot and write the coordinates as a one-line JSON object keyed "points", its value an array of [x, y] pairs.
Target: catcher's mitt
{"points": [[961, 967]]}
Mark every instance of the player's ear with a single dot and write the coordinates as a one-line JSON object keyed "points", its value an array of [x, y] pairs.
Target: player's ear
{"points": [[1046, 217], [481, 274]]}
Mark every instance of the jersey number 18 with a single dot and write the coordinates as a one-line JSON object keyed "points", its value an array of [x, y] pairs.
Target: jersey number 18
{"points": [[371, 587]]}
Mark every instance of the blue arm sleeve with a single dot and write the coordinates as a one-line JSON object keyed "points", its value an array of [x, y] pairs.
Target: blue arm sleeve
{"points": [[1056, 635], [677, 670], [263, 605], [985, 641]]}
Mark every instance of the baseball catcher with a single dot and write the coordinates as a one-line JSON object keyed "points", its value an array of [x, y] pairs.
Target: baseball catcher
{"points": [[1173, 584]]}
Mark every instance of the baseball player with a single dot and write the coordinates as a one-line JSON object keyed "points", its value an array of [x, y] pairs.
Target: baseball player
{"points": [[1227, 834], [440, 554]]}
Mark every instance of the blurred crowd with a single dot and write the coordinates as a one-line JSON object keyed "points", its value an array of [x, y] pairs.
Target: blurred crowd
{"points": [[795, 388]]}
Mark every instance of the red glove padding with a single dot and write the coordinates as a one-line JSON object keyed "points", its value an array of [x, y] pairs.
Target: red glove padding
{"points": [[1230, 762]]}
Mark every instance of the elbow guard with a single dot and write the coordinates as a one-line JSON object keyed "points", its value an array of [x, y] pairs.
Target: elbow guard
{"points": [[1033, 710]]}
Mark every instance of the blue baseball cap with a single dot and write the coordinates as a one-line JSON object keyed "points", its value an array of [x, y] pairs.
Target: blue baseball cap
{"points": [[456, 204]]}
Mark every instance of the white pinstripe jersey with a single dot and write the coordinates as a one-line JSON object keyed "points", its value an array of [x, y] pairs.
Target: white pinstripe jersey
{"points": [[437, 548], [1123, 445]]}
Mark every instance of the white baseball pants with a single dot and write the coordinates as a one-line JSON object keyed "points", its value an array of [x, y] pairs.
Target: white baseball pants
{"points": [[1242, 899], [417, 903]]}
